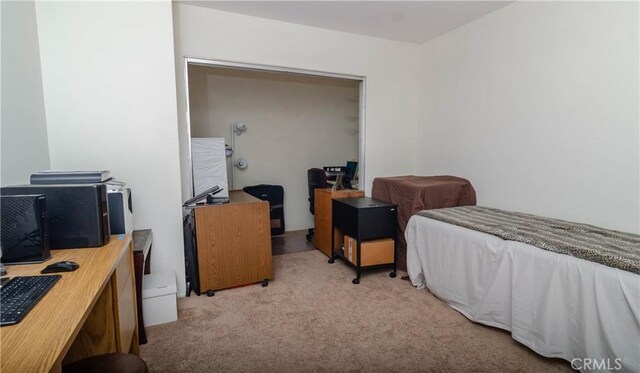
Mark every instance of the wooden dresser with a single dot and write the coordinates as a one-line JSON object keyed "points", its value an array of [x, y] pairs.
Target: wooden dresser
{"points": [[323, 215], [234, 242]]}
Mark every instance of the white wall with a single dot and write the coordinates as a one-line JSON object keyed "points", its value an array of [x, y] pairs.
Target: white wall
{"points": [[23, 132], [391, 70], [110, 96], [293, 123], [537, 104]]}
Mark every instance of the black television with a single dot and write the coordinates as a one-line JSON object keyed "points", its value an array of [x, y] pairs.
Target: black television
{"points": [[352, 170]]}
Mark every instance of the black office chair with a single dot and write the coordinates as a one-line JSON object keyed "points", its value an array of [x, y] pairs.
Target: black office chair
{"points": [[316, 178], [108, 363]]}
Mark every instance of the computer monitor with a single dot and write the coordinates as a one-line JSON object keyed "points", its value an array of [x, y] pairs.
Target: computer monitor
{"points": [[352, 170]]}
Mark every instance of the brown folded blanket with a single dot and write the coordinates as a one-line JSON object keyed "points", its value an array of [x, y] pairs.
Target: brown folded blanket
{"points": [[417, 193]]}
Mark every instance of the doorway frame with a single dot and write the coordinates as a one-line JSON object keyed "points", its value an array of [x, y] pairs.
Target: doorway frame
{"points": [[287, 70]]}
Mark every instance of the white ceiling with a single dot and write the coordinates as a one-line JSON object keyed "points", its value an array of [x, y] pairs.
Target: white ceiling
{"points": [[410, 21]]}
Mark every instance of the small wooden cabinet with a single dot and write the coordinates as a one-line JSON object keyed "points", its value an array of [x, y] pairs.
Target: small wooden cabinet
{"points": [[323, 217], [234, 242]]}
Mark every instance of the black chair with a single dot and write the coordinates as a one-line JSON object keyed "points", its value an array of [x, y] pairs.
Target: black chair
{"points": [[108, 363], [316, 178]]}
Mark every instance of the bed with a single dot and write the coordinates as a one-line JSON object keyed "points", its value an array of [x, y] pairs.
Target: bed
{"points": [[558, 305]]}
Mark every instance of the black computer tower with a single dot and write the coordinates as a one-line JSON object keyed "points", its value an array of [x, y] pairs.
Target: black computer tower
{"points": [[77, 214], [275, 195], [24, 235]]}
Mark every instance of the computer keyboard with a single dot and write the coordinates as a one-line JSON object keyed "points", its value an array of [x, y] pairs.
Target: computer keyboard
{"points": [[20, 294]]}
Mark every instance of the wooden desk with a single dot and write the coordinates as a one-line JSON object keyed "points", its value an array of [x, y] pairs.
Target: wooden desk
{"points": [[234, 242], [323, 217], [87, 312]]}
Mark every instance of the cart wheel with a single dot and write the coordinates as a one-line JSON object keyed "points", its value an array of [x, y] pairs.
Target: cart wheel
{"points": [[355, 281], [331, 261], [392, 275], [265, 282], [210, 293]]}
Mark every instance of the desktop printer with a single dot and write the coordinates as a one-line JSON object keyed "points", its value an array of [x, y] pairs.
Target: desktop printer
{"points": [[332, 172], [77, 214], [120, 210]]}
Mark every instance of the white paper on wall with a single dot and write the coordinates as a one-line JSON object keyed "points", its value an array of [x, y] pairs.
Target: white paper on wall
{"points": [[209, 164]]}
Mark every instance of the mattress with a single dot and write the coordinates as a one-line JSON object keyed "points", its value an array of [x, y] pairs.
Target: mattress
{"points": [[557, 305], [611, 248]]}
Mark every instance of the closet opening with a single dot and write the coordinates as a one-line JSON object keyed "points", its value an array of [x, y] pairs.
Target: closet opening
{"points": [[275, 123]]}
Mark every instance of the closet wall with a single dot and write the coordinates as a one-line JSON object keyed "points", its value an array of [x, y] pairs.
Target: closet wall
{"points": [[293, 123]]}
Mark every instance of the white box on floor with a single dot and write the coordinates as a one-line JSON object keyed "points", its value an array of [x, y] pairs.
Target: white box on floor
{"points": [[159, 298]]}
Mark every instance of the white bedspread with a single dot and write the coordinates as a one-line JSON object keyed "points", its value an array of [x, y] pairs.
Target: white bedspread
{"points": [[557, 305]]}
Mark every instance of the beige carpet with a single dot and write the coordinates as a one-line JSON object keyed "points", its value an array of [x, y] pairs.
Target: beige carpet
{"points": [[311, 318]]}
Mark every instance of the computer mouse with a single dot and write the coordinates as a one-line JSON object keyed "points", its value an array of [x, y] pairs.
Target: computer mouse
{"points": [[66, 266]]}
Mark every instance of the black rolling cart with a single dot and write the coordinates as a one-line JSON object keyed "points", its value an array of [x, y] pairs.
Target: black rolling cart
{"points": [[364, 219]]}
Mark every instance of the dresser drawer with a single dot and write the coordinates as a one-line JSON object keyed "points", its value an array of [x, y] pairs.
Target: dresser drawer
{"points": [[124, 303], [126, 317]]}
